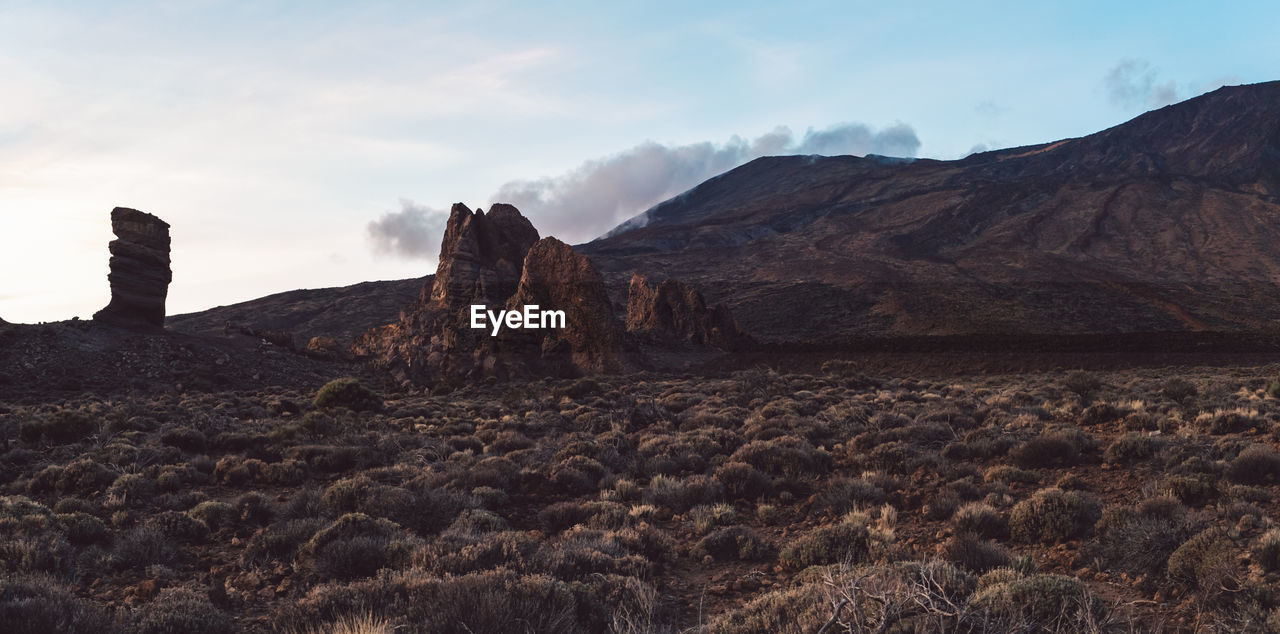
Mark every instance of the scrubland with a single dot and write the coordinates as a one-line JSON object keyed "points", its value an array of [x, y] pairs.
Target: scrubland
{"points": [[1139, 500]]}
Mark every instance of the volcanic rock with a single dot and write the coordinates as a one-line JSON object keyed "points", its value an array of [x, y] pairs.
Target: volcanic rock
{"points": [[480, 256], [555, 277], [140, 272], [675, 310], [496, 260]]}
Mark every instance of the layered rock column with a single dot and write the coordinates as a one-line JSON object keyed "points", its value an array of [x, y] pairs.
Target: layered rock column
{"points": [[140, 273]]}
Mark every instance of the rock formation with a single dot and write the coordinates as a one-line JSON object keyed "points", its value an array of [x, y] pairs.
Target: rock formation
{"points": [[673, 310], [480, 256], [497, 260], [140, 272], [557, 278]]}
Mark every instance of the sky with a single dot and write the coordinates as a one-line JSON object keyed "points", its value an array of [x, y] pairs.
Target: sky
{"points": [[313, 144]]}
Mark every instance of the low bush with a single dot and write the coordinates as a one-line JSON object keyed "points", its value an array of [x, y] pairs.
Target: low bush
{"points": [[1139, 540], [742, 481], [38, 604], [1132, 447], [1053, 514], [732, 542], [1050, 449], [980, 519], [1040, 603], [1192, 490], [349, 393], [181, 610], [1265, 552], [354, 546], [681, 494], [974, 554], [836, 543], [1255, 465], [1206, 561]]}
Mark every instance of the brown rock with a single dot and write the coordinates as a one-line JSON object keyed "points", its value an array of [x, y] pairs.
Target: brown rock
{"points": [[325, 347], [480, 256], [555, 277], [497, 260], [140, 272], [674, 310]]}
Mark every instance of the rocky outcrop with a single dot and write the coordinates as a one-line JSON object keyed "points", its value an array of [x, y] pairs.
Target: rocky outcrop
{"points": [[480, 256], [140, 273], [672, 310], [557, 278], [497, 260]]}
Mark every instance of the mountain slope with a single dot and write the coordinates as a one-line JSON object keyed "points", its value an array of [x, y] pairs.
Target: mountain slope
{"points": [[1169, 222], [339, 312]]}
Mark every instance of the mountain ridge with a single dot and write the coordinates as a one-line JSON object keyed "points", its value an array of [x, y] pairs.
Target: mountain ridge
{"points": [[1162, 223]]}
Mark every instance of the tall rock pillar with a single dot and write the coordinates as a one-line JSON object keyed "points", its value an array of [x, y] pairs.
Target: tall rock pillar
{"points": [[140, 273]]}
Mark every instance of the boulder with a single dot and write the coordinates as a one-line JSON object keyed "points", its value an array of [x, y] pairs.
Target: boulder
{"points": [[140, 273], [672, 310]]}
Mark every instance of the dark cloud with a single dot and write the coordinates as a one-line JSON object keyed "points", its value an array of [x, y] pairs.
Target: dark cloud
{"points": [[596, 196], [413, 232]]}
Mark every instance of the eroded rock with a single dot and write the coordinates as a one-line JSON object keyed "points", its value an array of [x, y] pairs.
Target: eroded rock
{"points": [[673, 310], [555, 277], [140, 273], [496, 260]]}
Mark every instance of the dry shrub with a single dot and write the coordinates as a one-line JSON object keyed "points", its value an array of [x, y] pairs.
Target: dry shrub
{"points": [[1266, 551], [732, 542], [1132, 447], [1048, 603], [1255, 465], [38, 604], [682, 494], [844, 542], [483, 602], [1138, 540], [784, 456], [349, 393], [742, 481], [1207, 562], [1192, 490], [975, 554], [980, 519], [355, 545], [1053, 514], [181, 610]]}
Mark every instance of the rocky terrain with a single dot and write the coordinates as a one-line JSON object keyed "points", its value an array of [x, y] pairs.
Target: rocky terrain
{"points": [[1165, 223], [340, 313]]}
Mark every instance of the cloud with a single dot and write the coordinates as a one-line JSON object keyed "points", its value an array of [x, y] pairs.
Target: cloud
{"points": [[1133, 82], [596, 196], [413, 232]]}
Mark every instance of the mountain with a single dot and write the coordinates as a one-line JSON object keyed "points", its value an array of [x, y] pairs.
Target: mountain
{"points": [[1169, 222], [340, 312]]}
